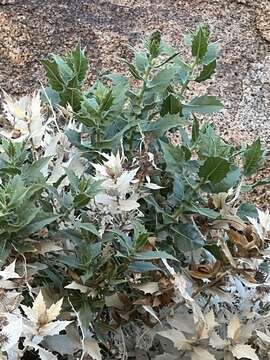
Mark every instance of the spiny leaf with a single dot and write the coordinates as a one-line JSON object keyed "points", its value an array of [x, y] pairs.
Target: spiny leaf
{"points": [[174, 156], [153, 255], [53, 74], [211, 54], [203, 105], [187, 237], [133, 70], [214, 169], [200, 42], [207, 72], [195, 130], [163, 78], [170, 105], [253, 157], [79, 63]]}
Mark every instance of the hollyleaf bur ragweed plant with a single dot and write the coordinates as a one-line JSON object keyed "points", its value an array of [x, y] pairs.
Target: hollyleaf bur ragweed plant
{"points": [[122, 227]]}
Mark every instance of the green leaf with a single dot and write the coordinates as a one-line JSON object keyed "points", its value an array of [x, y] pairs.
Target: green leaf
{"points": [[207, 71], [195, 130], [88, 227], [50, 96], [72, 96], [210, 144], [214, 250], [140, 235], [133, 70], [141, 61], [203, 105], [170, 105], [211, 214], [214, 169], [53, 74], [173, 155], [78, 62], [81, 200], [114, 142], [264, 267], [34, 169], [153, 255], [178, 188], [261, 182], [247, 210], [182, 71], [211, 54], [162, 78], [167, 60], [159, 127], [230, 180], [64, 70], [42, 220], [142, 266], [187, 237], [200, 42], [107, 101], [253, 158], [73, 179]]}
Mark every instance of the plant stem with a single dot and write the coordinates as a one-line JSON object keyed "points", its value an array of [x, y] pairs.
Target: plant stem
{"points": [[185, 85], [140, 95], [145, 79]]}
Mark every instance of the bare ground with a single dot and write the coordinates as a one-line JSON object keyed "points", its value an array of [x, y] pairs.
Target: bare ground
{"points": [[31, 29]]}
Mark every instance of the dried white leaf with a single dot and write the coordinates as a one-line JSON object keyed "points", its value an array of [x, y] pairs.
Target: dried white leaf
{"points": [[209, 324], [47, 246], [183, 321], [13, 330], [91, 347], [129, 204], [244, 351], [152, 186], [233, 326], [199, 353], [43, 353], [216, 341], [76, 286], [265, 338], [9, 272], [54, 310], [178, 338], [39, 307], [53, 328], [114, 301], [257, 226], [148, 288], [264, 219], [151, 311]]}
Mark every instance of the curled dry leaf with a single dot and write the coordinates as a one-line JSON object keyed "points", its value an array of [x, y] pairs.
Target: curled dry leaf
{"points": [[205, 271]]}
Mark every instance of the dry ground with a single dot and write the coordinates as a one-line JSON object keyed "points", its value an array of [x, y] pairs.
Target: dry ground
{"points": [[31, 29]]}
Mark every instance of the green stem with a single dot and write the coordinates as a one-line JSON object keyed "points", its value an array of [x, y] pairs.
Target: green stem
{"points": [[185, 85], [145, 79], [140, 95]]}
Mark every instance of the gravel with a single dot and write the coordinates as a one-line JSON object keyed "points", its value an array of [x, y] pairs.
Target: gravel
{"points": [[31, 29]]}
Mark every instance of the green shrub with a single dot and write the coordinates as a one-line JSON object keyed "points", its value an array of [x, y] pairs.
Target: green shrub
{"points": [[120, 200]]}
